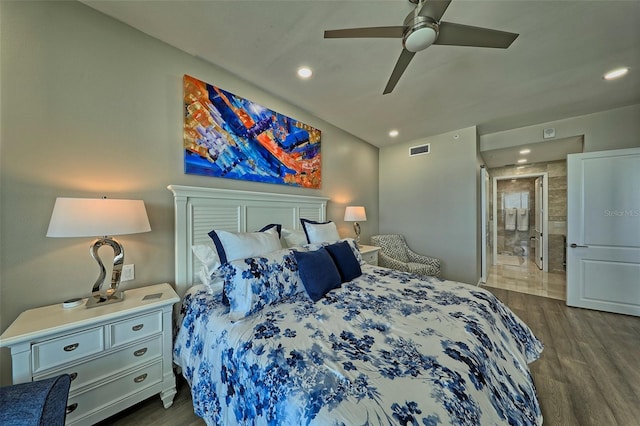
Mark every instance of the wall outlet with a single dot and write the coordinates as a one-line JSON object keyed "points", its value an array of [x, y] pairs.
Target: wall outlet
{"points": [[128, 273]]}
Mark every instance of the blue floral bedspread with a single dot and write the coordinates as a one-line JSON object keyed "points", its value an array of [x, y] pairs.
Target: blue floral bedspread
{"points": [[386, 348]]}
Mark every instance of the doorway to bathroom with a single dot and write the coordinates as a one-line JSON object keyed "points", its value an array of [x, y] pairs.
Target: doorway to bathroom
{"points": [[520, 220]]}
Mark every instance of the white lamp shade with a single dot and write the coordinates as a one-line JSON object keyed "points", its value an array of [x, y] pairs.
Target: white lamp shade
{"points": [[355, 214], [97, 217]]}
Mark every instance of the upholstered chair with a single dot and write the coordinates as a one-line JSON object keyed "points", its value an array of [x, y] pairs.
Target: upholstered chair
{"points": [[396, 254], [38, 403]]}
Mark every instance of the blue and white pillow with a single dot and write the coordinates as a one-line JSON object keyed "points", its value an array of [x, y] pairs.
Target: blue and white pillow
{"points": [[254, 282]]}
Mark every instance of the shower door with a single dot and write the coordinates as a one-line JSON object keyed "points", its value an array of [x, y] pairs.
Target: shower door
{"points": [[538, 201]]}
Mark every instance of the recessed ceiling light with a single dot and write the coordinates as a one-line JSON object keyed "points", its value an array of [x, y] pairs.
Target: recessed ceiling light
{"points": [[525, 151], [522, 160], [520, 167], [305, 72], [393, 133], [617, 73]]}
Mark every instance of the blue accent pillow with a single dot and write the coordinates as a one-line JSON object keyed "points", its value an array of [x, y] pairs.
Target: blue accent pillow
{"points": [[318, 272], [345, 260]]}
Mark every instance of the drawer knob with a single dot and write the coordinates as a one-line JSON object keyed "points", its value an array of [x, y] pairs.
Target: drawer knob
{"points": [[137, 327], [73, 376], [70, 348], [140, 352], [140, 378], [71, 408]]}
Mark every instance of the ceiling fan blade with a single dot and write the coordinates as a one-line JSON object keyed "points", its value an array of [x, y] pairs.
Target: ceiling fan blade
{"points": [[367, 32], [401, 65], [434, 8], [465, 35]]}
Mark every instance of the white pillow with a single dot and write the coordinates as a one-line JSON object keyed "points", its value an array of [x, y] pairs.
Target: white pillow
{"points": [[208, 257], [319, 232], [294, 237], [238, 245]]}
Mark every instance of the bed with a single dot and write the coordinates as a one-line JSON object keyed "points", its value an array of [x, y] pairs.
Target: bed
{"points": [[385, 347]]}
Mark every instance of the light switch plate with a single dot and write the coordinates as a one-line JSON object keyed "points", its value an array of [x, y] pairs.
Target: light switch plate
{"points": [[128, 273]]}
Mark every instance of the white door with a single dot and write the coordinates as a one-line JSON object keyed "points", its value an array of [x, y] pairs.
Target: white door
{"points": [[603, 224], [539, 220]]}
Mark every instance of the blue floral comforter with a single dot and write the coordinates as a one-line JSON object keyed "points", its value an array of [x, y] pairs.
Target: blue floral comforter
{"points": [[386, 348]]}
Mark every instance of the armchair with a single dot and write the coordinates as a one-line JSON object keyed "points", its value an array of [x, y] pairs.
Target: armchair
{"points": [[396, 254], [38, 403]]}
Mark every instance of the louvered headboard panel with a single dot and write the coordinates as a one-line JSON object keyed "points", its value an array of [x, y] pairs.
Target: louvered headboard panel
{"points": [[199, 210]]}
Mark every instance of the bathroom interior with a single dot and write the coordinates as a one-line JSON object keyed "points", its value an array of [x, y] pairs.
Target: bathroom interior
{"points": [[515, 266]]}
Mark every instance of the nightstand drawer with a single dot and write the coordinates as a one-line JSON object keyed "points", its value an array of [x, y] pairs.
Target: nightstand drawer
{"points": [[86, 403], [108, 365], [54, 352], [371, 258], [136, 328]]}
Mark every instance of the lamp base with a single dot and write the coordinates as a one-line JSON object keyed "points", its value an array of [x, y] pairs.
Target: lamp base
{"points": [[110, 297]]}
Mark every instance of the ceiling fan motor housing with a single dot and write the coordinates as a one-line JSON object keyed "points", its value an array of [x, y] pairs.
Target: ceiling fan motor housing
{"points": [[420, 32]]}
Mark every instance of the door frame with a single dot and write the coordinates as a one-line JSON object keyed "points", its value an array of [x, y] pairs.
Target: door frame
{"points": [[545, 214], [484, 179]]}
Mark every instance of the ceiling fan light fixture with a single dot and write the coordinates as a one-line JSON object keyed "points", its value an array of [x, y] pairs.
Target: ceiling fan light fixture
{"points": [[420, 35]]}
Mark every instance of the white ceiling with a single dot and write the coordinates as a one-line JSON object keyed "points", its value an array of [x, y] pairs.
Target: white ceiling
{"points": [[552, 71]]}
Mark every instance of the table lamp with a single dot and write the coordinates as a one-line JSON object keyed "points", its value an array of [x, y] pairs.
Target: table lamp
{"points": [[355, 214], [100, 217]]}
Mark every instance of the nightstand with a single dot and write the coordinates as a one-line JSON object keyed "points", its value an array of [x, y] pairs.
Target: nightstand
{"points": [[369, 254], [117, 355]]}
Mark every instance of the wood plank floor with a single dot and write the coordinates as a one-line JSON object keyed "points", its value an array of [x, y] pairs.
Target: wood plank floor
{"points": [[588, 374]]}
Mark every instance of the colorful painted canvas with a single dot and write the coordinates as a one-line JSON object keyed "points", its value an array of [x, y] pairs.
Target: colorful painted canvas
{"points": [[231, 137]]}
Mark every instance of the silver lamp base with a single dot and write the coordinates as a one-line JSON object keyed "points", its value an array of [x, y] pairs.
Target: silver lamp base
{"points": [[112, 294], [108, 298]]}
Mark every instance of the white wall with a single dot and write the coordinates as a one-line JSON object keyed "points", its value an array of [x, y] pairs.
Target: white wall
{"points": [[433, 200], [612, 129], [92, 107]]}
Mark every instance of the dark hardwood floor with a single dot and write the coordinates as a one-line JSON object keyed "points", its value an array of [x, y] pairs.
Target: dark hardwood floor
{"points": [[588, 374]]}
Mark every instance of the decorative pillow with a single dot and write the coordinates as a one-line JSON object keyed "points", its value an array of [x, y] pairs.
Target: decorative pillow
{"points": [[318, 272], [275, 226], [318, 232], [350, 241], [208, 257], [252, 283], [238, 245], [345, 260], [294, 237]]}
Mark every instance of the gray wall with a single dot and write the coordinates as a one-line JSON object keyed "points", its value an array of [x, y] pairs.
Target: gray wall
{"points": [[92, 107], [612, 129], [433, 201]]}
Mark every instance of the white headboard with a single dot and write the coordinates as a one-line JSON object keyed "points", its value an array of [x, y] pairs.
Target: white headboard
{"points": [[199, 210]]}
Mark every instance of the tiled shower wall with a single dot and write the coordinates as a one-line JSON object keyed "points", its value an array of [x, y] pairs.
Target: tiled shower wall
{"points": [[512, 242], [557, 171]]}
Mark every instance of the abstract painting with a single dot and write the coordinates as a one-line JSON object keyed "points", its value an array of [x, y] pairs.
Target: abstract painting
{"points": [[231, 137]]}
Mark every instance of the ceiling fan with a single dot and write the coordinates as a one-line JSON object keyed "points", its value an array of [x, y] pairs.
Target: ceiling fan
{"points": [[422, 28]]}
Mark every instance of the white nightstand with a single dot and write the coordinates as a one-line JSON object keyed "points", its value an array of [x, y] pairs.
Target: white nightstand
{"points": [[369, 254], [117, 355]]}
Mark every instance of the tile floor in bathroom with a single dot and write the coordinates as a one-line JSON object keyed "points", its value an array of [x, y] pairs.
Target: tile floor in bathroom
{"points": [[521, 274]]}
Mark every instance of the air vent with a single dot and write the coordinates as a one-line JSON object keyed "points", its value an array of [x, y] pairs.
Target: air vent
{"points": [[419, 150]]}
